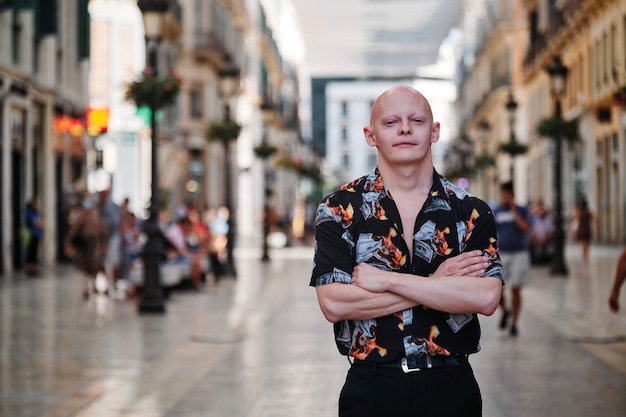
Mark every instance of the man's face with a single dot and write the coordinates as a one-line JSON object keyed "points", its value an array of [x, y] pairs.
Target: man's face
{"points": [[401, 127], [506, 197]]}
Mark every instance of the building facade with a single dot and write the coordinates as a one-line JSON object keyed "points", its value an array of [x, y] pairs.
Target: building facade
{"points": [[511, 46], [44, 57]]}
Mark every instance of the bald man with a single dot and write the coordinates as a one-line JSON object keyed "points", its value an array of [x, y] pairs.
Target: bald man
{"points": [[404, 263]]}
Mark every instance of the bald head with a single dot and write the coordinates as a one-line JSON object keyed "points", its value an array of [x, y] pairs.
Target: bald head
{"points": [[395, 93]]}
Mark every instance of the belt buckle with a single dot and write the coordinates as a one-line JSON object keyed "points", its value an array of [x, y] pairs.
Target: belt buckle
{"points": [[405, 365]]}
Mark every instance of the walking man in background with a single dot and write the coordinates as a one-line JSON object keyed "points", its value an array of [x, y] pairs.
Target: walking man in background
{"points": [[111, 216], [513, 224], [404, 261]]}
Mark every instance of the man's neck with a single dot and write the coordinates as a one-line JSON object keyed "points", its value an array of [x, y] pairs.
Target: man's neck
{"points": [[408, 179]]}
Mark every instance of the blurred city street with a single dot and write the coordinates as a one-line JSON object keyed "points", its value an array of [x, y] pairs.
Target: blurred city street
{"points": [[259, 346]]}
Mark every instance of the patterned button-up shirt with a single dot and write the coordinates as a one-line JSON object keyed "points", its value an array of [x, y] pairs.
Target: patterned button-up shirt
{"points": [[360, 223]]}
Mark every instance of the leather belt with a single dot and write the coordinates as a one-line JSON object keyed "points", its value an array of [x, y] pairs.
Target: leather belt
{"points": [[418, 363]]}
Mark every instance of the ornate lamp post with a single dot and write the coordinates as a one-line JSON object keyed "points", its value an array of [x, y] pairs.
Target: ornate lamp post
{"points": [[486, 160], [152, 300], [558, 75], [229, 86], [264, 151], [511, 107]]}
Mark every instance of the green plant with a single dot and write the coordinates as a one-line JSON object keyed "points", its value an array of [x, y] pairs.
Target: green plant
{"points": [[619, 97], [553, 126], [223, 130], [153, 91], [513, 148], [264, 150], [484, 161], [310, 171]]}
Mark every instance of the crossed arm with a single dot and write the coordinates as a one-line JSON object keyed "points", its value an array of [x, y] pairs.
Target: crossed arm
{"points": [[455, 287]]}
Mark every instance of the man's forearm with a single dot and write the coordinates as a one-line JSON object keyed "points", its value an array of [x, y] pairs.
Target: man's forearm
{"points": [[452, 294], [340, 301]]}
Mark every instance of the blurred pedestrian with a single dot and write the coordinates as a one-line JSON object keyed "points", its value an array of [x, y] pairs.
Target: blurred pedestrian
{"points": [[87, 241], [35, 227], [541, 232], [404, 262], [219, 230], [126, 229], [110, 213], [583, 221], [620, 277], [177, 235], [513, 223]]}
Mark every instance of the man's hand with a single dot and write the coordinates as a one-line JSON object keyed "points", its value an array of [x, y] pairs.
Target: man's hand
{"points": [[471, 264], [614, 301], [369, 278], [373, 279]]}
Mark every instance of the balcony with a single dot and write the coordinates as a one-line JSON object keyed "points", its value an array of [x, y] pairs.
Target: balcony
{"points": [[562, 23], [207, 46]]}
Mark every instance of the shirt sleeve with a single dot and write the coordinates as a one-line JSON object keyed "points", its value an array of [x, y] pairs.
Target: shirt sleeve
{"points": [[482, 235], [334, 247]]}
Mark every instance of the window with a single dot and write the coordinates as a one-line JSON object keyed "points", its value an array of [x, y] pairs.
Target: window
{"points": [[344, 108], [195, 105], [344, 134]]}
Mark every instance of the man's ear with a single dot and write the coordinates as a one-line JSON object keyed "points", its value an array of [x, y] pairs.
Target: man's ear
{"points": [[369, 136], [434, 134]]}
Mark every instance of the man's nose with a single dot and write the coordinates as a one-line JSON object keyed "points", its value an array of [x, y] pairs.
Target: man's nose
{"points": [[405, 128]]}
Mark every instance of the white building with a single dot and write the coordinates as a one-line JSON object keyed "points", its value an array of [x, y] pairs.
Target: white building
{"points": [[348, 105], [125, 145]]}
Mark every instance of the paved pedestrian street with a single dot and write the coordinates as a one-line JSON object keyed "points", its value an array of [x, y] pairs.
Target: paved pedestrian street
{"points": [[258, 346]]}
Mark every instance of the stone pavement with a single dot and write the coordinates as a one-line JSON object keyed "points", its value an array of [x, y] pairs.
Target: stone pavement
{"points": [[258, 346]]}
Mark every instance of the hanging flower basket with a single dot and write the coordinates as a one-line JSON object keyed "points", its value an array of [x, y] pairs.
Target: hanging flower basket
{"points": [[153, 91], [264, 150], [513, 148], [484, 161], [223, 130], [619, 97], [552, 127], [310, 171]]}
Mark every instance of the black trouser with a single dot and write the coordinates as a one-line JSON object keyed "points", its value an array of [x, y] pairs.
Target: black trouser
{"points": [[32, 250], [376, 391]]}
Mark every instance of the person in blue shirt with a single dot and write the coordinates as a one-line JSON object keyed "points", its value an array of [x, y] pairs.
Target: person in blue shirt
{"points": [[34, 224], [513, 224]]}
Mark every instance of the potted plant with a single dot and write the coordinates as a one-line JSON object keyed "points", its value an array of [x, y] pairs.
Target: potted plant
{"points": [[310, 171], [224, 130], [153, 91], [513, 148], [553, 126], [484, 161], [619, 96], [264, 150]]}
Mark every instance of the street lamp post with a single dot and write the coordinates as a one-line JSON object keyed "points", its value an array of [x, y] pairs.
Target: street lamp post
{"points": [[511, 107], [152, 300], [229, 86], [484, 129], [558, 75], [267, 112]]}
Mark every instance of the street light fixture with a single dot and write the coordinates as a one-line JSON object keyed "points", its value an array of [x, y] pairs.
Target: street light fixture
{"points": [[267, 112], [511, 107], [152, 300], [229, 86], [558, 75]]}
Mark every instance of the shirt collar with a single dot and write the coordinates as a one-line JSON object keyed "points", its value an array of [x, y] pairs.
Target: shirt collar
{"points": [[437, 189]]}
